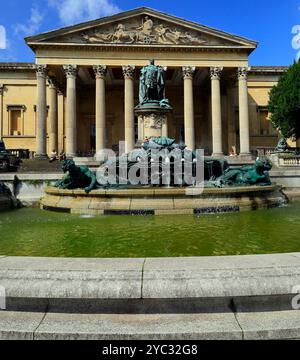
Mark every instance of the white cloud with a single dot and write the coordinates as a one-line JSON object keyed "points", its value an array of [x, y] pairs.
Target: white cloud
{"points": [[74, 11], [33, 24], [2, 37], [10, 52]]}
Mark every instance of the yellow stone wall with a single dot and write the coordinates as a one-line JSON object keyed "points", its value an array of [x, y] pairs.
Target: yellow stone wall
{"points": [[20, 89]]}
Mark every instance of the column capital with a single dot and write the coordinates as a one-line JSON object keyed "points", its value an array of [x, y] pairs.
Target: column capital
{"points": [[100, 71], [2, 89], [215, 72], [70, 70], [128, 71], [243, 72], [52, 83], [188, 72], [41, 70]]}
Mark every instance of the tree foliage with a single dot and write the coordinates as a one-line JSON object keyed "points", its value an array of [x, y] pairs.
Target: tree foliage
{"points": [[284, 103]]}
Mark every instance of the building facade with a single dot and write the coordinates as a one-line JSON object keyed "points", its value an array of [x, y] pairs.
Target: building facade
{"points": [[80, 94]]}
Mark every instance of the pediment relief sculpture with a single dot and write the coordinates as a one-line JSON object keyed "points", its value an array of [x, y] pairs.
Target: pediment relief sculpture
{"points": [[148, 32]]}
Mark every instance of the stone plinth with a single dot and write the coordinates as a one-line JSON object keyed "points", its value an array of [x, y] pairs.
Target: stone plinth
{"points": [[152, 121]]}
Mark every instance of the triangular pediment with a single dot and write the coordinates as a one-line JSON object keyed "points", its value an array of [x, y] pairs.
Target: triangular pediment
{"points": [[142, 27]]}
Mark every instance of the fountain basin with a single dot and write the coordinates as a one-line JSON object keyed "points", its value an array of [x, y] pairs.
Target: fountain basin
{"points": [[162, 201]]}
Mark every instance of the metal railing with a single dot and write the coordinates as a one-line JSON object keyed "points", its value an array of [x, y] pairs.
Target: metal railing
{"points": [[20, 153]]}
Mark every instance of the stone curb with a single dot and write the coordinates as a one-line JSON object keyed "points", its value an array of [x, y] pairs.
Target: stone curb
{"points": [[165, 278], [222, 298]]}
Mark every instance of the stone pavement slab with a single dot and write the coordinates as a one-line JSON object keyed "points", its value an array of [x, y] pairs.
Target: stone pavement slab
{"points": [[281, 325], [19, 325], [219, 326]]}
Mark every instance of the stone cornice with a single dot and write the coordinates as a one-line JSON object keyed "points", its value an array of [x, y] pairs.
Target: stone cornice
{"points": [[17, 66], [138, 47], [268, 69]]}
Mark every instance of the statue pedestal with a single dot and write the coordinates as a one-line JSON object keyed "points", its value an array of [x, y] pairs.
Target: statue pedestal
{"points": [[152, 122]]}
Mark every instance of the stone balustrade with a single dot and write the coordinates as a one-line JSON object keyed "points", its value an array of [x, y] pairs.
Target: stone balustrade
{"points": [[289, 160]]}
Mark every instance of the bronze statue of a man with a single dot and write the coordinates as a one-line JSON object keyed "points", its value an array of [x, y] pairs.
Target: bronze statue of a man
{"points": [[152, 83]]}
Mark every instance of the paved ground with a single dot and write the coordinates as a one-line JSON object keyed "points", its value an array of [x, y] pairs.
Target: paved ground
{"points": [[209, 326]]}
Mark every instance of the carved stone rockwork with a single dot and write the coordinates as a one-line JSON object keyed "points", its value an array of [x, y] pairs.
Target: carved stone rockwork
{"points": [[128, 71], [144, 31], [154, 121], [1, 89], [70, 70], [41, 70], [215, 72], [188, 72], [100, 71], [243, 73]]}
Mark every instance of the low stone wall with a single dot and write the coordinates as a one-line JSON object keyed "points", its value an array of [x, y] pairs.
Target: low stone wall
{"points": [[162, 201], [152, 278], [289, 179], [31, 187]]}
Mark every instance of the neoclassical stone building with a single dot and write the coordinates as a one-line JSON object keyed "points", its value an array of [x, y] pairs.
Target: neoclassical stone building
{"points": [[81, 93]]}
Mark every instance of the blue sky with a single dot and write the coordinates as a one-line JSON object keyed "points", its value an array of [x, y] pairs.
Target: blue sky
{"points": [[270, 22]]}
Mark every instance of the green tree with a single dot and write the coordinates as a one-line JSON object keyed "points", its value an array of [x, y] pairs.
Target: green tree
{"points": [[284, 103]]}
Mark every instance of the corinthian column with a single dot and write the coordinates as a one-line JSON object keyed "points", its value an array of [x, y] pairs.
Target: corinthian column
{"points": [[215, 74], [189, 122], [53, 119], [100, 74], [41, 112], [71, 119], [128, 72], [244, 111]]}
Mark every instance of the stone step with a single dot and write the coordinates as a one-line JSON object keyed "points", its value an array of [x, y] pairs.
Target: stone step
{"points": [[91, 163], [279, 325]]}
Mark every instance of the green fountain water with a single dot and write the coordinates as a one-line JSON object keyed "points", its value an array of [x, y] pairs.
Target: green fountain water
{"points": [[32, 232]]}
